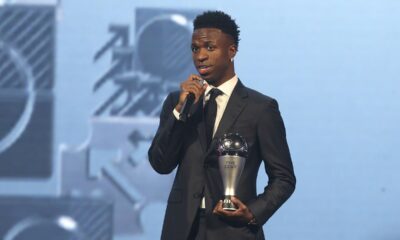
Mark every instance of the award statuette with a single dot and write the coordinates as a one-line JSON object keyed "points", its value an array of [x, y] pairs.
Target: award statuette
{"points": [[232, 149]]}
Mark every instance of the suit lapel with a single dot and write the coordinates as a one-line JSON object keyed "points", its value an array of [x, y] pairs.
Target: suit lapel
{"points": [[235, 106]]}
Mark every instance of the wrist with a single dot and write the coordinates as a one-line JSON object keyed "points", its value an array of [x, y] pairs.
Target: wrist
{"points": [[178, 107], [253, 221]]}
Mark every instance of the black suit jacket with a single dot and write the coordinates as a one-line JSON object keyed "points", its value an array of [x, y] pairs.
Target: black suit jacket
{"points": [[183, 145]]}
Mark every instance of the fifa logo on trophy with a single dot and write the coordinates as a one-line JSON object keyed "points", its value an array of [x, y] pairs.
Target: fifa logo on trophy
{"points": [[232, 149]]}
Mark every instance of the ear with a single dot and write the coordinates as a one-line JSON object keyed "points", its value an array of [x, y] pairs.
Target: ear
{"points": [[232, 51]]}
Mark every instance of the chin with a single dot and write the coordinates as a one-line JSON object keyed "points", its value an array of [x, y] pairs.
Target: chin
{"points": [[209, 79]]}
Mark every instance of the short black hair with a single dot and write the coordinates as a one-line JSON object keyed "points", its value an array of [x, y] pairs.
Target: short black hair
{"points": [[219, 20]]}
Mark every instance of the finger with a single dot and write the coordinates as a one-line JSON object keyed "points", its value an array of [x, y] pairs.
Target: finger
{"points": [[222, 212], [237, 202], [197, 91], [194, 90], [217, 205], [190, 80], [197, 84], [201, 82], [199, 88], [183, 95], [193, 84], [228, 213], [190, 88], [195, 77], [218, 208]]}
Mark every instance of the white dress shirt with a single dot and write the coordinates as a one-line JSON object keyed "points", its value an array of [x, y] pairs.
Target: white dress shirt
{"points": [[222, 100]]}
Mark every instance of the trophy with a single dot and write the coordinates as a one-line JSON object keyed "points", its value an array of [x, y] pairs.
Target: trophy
{"points": [[232, 149]]}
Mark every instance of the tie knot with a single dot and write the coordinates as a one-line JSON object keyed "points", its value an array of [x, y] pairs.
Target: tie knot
{"points": [[215, 92]]}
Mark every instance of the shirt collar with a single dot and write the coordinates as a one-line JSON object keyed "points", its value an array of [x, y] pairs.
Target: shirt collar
{"points": [[226, 88]]}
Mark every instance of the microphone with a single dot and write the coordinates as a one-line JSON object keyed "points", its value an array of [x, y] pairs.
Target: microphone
{"points": [[184, 114]]}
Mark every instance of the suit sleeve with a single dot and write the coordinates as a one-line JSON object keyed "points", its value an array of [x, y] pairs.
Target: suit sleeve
{"points": [[165, 150], [278, 164]]}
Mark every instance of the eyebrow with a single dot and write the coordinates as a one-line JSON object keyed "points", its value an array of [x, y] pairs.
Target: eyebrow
{"points": [[206, 42]]}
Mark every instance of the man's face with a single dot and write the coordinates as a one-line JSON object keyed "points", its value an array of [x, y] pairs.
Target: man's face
{"points": [[212, 51]]}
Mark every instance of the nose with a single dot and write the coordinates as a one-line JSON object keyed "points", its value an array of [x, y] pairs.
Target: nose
{"points": [[202, 55]]}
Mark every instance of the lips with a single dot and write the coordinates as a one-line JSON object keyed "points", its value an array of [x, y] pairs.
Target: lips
{"points": [[204, 69]]}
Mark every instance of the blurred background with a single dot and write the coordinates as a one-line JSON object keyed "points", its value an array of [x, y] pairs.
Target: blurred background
{"points": [[81, 87]]}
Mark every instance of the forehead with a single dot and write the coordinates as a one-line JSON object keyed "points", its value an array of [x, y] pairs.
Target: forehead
{"points": [[208, 34]]}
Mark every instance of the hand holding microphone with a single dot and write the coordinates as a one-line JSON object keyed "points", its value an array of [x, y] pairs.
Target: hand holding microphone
{"points": [[191, 91]]}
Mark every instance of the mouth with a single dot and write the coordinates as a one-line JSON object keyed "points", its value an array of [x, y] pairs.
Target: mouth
{"points": [[204, 69]]}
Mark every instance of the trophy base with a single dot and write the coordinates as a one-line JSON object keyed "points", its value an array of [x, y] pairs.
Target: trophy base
{"points": [[228, 204]]}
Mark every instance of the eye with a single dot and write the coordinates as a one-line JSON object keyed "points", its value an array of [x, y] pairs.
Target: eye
{"points": [[195, 49], [210, 48]]}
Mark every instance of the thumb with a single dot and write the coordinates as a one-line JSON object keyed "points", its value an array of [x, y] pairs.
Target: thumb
{"points": [[237, 202]]}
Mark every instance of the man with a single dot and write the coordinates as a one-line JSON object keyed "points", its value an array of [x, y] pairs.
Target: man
{"points": [[222, 105]]}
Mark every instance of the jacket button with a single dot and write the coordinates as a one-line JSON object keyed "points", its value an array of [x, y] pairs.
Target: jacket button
{"points": [[197, 195]]}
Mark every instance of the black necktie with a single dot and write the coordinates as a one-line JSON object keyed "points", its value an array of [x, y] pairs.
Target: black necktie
{"points": [[210, 112]]}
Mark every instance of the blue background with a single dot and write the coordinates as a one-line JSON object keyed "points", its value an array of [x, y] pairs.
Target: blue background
{"points": [[333, 66]]}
